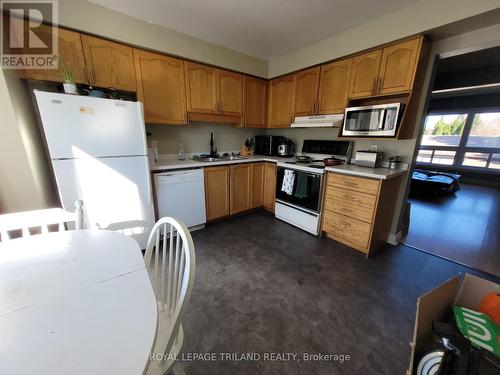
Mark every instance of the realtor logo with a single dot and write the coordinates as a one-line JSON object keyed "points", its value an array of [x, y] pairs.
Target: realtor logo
{"points": [[29, 41]]}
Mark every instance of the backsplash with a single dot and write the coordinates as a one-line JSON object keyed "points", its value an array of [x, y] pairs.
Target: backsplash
{"points": [[196, 136], [389, 147]]}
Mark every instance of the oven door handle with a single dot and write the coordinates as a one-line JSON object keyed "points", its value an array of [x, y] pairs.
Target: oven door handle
{"points": [[381, 120]]}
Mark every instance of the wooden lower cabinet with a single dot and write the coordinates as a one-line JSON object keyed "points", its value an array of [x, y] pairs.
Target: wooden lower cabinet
{"points": [[257, 185], [236, 188], [217, 192], [240, 193], [269, 192], [358, 211]]}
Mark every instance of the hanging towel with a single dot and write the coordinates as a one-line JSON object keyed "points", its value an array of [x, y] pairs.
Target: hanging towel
{"points": [[288, 180], [301, 191]]}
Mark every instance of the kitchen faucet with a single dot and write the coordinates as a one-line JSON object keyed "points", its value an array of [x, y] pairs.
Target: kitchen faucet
{"points": [[213, 151]]}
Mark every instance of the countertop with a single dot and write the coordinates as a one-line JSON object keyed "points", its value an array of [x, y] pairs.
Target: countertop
{"points": [[170, 162], [354, 170]]}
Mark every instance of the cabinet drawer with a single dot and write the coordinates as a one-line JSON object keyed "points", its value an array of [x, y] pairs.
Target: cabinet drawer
{"points": [[347, 230], [364, 185], [351, 203]]}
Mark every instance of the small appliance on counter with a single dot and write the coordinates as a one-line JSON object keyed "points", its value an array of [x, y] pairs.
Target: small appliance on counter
{"points": [[286, 147], [369, 159], [395, 162], [266, 145]]}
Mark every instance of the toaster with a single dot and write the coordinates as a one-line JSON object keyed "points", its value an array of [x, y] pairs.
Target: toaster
{"points": [[370, 159]]}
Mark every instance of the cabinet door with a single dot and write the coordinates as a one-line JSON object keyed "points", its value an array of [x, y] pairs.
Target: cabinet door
{"points": [[255, 102], [281, 102], [334, 86], [160, 81], [201, 84], [240, 194], [217, 192], [306, 91], [398, 65], [365, 72], [230, 93], [110, 64], [269, 186], [257, 185], [70, 55]]}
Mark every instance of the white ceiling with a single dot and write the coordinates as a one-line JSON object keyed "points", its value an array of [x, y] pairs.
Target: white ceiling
{"points": [[260, 28]]}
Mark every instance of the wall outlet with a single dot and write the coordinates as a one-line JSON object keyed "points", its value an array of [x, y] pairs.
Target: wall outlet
{"points": [[374, 148]]}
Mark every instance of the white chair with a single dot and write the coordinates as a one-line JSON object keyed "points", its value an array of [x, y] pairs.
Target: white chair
{"points": [[170, 261], [22, 222]]}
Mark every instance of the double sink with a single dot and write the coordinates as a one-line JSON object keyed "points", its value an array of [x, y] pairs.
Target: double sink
{"points": [[219, 158]]}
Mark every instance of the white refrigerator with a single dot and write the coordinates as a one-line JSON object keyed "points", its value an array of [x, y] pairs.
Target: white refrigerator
{"points": [[99, 155]]}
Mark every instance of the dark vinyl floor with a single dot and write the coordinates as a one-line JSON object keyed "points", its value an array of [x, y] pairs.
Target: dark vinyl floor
{"points": [[264, 286], [463, 227]]}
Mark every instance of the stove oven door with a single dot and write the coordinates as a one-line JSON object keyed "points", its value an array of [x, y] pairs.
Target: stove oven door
{"points": [[306, 192]]}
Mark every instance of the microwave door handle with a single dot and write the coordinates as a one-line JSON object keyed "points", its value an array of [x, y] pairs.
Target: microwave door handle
{"points": [[381, 121]]}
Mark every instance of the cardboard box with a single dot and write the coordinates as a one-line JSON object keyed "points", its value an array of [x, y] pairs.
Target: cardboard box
{"points": [[437, 305]]}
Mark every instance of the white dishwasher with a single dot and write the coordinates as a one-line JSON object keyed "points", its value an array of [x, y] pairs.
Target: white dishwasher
{"points": [[181, 194]]}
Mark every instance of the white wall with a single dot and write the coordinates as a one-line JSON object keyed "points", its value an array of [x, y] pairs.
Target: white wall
{"points": [[95, 19], [23, 169], [416, 18]]}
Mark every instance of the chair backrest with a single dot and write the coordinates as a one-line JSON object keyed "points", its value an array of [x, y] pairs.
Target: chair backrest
{"points": [[170, 260], [20, 223]]}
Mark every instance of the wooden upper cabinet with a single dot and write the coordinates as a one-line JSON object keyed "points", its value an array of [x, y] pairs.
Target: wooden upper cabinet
{"points": [[334, 87], [161, 87], [240, 192], [201, 83], [70, 55], [365, 73], [281, 101], [230, 93], [110, 64], [397, 69], [217, 192], [306, 91], [255, 102]]}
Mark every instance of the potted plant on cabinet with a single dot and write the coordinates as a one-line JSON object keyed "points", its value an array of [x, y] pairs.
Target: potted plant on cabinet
{"points": [[69, 84]]}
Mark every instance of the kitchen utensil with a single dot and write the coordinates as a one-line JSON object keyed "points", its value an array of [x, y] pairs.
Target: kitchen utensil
{"points": [[395, 162], [329, 162]]}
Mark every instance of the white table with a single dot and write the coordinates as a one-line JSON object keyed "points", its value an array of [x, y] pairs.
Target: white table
{"points": [[75, 302]]}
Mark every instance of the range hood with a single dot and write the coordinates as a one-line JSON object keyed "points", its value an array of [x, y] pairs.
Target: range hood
{"points": [[318, 121]]}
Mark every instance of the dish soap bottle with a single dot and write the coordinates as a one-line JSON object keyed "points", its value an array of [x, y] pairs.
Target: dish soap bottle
{"points": [[181, 155]]}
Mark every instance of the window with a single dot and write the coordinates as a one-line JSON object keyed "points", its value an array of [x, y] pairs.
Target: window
{"points": [[475, 159], [443, 130], [424, 156], [443, 157], [495, 161], [485, 131], [468, 139]]}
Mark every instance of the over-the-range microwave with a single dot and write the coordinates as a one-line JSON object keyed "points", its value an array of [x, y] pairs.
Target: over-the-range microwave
{"points": [[379, 120]]}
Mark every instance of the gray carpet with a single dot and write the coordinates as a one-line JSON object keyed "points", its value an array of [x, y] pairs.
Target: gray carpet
{"points": [[263, 286]]}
